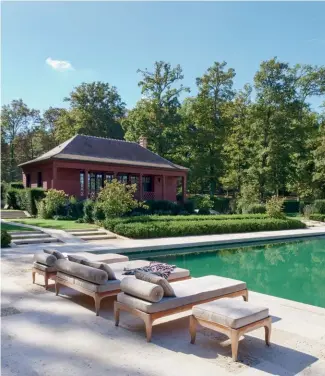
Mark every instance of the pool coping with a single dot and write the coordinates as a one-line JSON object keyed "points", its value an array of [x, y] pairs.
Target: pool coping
{"points": [[131, 246]]}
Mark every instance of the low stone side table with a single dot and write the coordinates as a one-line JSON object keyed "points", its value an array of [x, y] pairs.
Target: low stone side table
{"points": [[231, 317]]}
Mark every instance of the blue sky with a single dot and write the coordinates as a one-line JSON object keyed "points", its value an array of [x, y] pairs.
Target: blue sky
{"points": [[109, 41]]}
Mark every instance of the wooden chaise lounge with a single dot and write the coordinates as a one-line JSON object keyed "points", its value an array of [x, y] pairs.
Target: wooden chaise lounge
{"points": [[87, 279], [188, 293]]}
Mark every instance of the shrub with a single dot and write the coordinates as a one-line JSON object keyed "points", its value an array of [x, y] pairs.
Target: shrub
{"points": [[5, 239], [53, 204], [221, 204], [16, 185], [162, 207], [255, 209], [308, 211], [88, 211], [111, 223], [4, 188], [249, 195], [75, 208], [187, 228], [317, 217], [117, 199], [291, 206], [204, 211], [274, 207], [13, 199], [98, 212], [188, 206], [31, 197], [319, 206]]}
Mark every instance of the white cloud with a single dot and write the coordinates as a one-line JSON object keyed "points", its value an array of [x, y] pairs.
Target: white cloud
{"points": [[59, 65]]}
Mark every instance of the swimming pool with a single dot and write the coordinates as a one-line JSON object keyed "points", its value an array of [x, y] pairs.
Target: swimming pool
{"points": [[292, 269]]}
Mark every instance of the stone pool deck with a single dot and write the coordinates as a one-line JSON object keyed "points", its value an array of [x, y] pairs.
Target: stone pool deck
{"points": [[72, 244], [45, 335]]}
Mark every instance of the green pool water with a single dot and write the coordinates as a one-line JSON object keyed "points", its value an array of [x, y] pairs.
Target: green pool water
{"points": [[292, 270]]}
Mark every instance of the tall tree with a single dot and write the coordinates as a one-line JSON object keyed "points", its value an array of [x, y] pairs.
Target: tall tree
{"points": [[96, 109], [156, 116], [207, 122], [16, 118]]}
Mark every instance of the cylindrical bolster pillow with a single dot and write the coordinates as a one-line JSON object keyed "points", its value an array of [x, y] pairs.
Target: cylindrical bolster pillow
{"points": [[45, 259], [55, 253], [82, 271], [141, 289]]}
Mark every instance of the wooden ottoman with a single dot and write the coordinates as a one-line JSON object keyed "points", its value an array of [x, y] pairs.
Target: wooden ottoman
{"points": [[231, 317]]}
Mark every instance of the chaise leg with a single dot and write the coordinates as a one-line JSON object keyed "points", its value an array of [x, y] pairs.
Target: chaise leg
{"points": [[234, 337], [97, 304], [116, 314], [46, 279], [268, 332], [193, 324], [245, 296], [57, 288], [33, 276], [148, 324]]}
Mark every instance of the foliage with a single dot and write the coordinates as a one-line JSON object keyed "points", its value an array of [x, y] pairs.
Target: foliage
{"points": [[319, 206], [255, 208], [221, 204], [162, 207], [117, 199], [95, 109], [4, 188], [188, 228], [317, 217], [88, 211], [5, 239], [12, 198], [156, 115], [249, 195], [75, 208], [308, 211], [53, 204], [111, 223], [274, 207], [31, 197], [189, 206], [98, 212], [291, 206], [16, 185]]}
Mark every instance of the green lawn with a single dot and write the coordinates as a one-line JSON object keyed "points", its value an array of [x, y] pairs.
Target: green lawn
{"points": [[8, 227], [52, 223]]}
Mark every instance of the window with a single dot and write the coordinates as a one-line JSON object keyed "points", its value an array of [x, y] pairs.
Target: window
{"points": [[99, 182], [109, 177], [123, 178], [134, 179], [82, 183], [28, 180], [147, 184], [39, 179]]}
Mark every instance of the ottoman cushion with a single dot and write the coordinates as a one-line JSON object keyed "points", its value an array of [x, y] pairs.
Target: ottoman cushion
{"points": [[230, 312]]}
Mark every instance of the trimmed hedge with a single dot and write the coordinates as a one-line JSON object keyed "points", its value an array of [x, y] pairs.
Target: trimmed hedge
{"points": [[5, 239], [188, 228], [25, 199], [16, 185], [317, 217], [291, 206], [162, 206], [221, 204], [111, 223]]}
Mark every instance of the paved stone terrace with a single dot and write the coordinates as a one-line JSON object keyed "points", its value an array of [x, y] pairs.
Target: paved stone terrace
{"points": [[45, 335]]}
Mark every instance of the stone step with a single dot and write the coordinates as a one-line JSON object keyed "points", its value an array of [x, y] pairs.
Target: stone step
{"points": [[22, 233], [13, 215], [29, 236], [98, 237], [78, 230], [86, 233], [35, 241]]}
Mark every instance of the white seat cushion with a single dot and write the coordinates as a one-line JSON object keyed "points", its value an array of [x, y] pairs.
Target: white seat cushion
{"points": [[190, 291], [229, 312]]}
